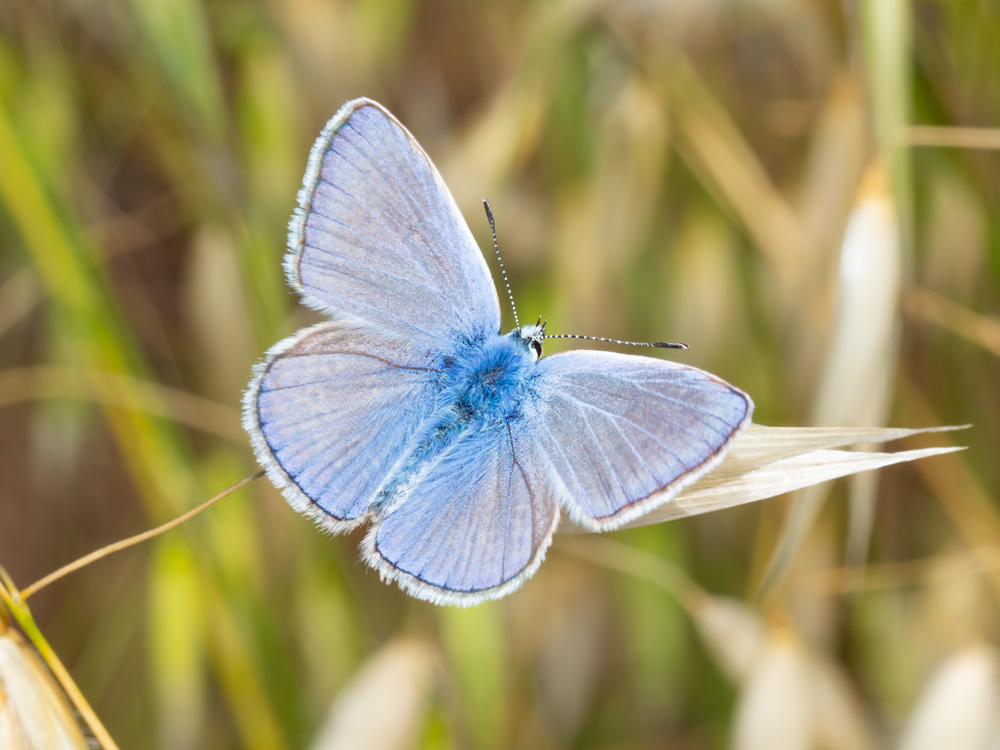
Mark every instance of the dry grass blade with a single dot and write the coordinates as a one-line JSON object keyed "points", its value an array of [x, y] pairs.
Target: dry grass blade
{"points": [[979, 329], [860, 360], [949, 137], [641, 564], [114, 389], [946, 567], [732, 632], [760, 443], [722, 489], [717, 151], [769, 461], [838, 155]]}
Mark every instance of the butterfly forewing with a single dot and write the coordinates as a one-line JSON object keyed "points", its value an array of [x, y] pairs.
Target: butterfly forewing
{"points": [[378, 236]]}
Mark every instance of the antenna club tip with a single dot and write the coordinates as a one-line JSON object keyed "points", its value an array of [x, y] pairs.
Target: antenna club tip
{"points": [[670, 345]]}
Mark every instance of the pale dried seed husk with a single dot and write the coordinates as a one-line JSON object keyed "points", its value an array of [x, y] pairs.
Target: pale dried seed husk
{"points": [[385, 705], [34, 713], [960, 704], [765, 462]]}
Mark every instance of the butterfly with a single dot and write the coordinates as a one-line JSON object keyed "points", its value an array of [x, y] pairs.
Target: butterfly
{"points": [[410, 410]]}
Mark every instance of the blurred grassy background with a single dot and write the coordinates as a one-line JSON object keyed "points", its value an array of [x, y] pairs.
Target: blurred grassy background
{"points": [[658, 170]]}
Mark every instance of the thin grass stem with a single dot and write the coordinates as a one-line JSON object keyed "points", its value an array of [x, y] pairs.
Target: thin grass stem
{"points": [[949, 137], [132, 540]]}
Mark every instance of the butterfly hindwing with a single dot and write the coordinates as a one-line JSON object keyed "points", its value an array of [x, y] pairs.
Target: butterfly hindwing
{"points": [[330, 412], [378, 236], [624, 434], [475, 526]]}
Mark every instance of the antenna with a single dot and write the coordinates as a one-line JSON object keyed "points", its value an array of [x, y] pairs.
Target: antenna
{"points": [[496, 246], [657, 344]]}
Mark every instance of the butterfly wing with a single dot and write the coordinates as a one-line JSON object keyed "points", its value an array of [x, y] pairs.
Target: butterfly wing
{"points": [[330, 411], [377, 235], [475, 526], [623, 434]]}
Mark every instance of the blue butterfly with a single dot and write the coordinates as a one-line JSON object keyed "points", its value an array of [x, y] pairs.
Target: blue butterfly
{"points": [[412, 411]]}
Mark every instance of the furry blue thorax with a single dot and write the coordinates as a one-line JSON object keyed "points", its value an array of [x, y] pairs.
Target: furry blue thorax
{"points": [[489, 380]]}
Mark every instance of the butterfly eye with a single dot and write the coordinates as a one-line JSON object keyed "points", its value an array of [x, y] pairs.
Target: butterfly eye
{"points": [[537, 346]]}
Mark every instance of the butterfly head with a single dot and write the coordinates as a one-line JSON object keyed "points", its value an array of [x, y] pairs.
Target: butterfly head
{"points": [[531, 337]]}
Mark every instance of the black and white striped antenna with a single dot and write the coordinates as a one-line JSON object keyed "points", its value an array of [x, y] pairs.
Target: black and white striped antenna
{"points": [[496, 246], [517, 324], [657, 344]]}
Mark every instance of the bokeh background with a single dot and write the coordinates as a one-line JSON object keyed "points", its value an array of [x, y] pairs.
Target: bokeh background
{"points": [[805, 191]]}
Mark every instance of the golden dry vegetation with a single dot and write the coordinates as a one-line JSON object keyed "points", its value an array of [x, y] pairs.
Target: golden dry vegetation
{"points": [[805, 191]]}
